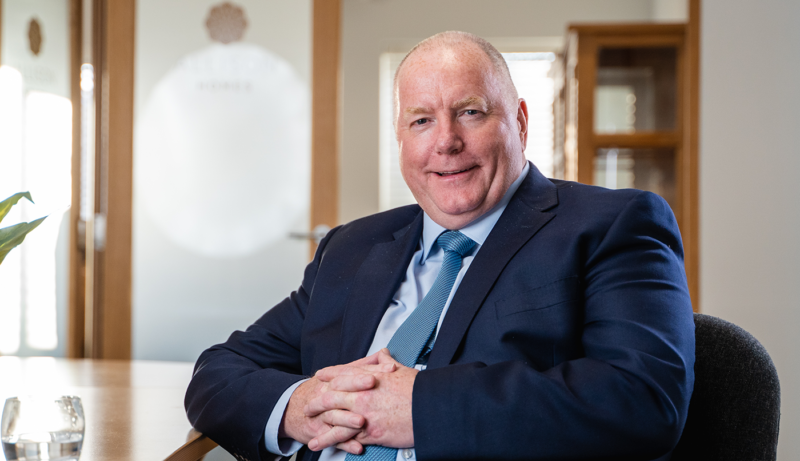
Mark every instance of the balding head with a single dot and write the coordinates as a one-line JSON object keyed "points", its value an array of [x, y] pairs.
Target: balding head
{"points": [[460, 42]]}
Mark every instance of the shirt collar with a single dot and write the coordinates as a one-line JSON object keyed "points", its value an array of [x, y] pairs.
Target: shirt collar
{"points": [[478, 229]]}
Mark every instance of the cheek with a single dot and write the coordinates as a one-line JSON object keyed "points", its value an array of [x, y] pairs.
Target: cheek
{"points": [[410, 167], [412, 157]]}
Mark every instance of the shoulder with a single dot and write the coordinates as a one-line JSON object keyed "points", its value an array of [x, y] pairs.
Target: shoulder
{"points": [[593, 215], [609, 204]]}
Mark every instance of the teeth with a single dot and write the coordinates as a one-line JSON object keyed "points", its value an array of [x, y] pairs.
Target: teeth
{"points": [[448, 173]]}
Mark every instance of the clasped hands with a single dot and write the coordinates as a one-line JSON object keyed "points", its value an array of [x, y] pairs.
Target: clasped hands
{"points": [[366, 402]]}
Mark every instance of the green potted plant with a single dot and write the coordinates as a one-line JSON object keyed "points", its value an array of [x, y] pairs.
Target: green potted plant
{"points": [[12, 236]]}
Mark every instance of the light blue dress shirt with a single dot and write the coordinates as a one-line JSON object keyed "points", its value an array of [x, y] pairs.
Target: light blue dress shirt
{"points": [[420, 275]]}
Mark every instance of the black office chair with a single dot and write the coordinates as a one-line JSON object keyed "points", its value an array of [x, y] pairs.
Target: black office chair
{"points": [[734, 412]]}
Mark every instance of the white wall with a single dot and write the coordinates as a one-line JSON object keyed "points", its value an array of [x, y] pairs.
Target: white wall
{"points": [[749, 187], [373, 27], [670, 10]]}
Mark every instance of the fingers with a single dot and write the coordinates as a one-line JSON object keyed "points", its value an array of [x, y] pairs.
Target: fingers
{"points": [[352, 383], [333, 400], [337, 435], [328, 374], [342, 418], [351, 446]]}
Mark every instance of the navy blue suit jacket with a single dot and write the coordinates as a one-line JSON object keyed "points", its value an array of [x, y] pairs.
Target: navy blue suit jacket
{"points": [[570, 337]]}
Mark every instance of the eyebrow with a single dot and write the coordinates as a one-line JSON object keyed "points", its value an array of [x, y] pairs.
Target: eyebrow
{"points": [[417, 110], [460, 104], [469, 101]]}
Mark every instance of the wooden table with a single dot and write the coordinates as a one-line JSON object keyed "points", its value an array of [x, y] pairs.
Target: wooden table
{"points": [[134, 409]]}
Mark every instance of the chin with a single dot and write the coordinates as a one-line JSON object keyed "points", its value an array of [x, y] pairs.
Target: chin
{"points": [[462, 214], [458, 207]]}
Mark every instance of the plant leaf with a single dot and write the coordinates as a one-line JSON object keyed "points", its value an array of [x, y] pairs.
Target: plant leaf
{"points": [[12, 236], [5, 205]]}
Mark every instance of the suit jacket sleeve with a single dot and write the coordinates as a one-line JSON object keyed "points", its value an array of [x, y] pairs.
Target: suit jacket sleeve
{"points": [[629, 394], [236, 384]]}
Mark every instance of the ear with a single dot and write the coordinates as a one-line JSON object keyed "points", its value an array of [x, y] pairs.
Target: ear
{"points": [[522, 121]]}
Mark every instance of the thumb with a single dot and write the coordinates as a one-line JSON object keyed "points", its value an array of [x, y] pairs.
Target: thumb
{"points": [[385, 358]]}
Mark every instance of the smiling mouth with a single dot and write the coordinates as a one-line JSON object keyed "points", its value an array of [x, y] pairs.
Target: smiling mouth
{"points": [[450, 173]]}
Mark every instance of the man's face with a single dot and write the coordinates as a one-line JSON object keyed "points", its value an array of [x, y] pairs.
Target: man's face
{"points": [[461, 135]]}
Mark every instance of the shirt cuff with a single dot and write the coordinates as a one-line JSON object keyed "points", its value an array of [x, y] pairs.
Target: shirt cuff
{"points": [[285, 446]]}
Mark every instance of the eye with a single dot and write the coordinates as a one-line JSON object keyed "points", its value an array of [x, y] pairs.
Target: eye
{"points": [[472, 112], [421, 121]]}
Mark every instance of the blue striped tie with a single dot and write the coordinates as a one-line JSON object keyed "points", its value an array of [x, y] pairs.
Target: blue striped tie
{"points": [[409, 342]]}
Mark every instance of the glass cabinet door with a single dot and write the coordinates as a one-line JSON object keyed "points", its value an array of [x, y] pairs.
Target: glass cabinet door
{"points": [[646, 169], [636, 90]]}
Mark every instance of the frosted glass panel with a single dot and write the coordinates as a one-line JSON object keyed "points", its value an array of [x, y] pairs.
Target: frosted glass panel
{"points": [[221, 168], [223, 141]]}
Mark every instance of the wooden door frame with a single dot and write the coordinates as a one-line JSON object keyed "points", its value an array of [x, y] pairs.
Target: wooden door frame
{"points": [[326, 113], [100, 272], [77, 255], [691, 147]]}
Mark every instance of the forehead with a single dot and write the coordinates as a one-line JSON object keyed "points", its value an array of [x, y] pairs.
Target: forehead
{"points": [[446, 71]]}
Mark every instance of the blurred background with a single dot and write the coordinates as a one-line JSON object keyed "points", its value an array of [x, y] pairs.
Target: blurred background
{"points": [[188, 154]]}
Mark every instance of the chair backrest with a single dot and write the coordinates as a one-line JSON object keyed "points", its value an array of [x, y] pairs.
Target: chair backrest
{"points": [[195, 449], [734, 412]]}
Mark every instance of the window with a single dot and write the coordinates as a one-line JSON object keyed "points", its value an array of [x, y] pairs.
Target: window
{"points": [[35, 147], [35, 156]]}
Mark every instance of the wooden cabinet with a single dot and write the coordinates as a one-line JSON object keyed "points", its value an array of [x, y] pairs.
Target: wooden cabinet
{"points": [[624, 110]]}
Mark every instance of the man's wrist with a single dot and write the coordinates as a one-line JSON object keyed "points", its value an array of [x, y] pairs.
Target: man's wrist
{"points": [[275, 439]]}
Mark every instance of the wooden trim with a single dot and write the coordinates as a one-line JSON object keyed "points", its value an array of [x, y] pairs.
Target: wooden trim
{"points": [[116, 302], [114, 60], [691, 189], [94, 261], [326, 58], [77, 261], [600, 29], [587, 79], [638, 139], [650, 41]]}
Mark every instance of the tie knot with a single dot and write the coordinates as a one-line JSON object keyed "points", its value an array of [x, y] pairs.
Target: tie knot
{"points": [[455, 241]]}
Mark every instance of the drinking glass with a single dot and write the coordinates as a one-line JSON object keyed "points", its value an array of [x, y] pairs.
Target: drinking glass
{"points": [[41, 428]]}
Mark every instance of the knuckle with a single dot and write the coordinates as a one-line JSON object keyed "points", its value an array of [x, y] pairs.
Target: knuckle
{"points": [[375, 433]]}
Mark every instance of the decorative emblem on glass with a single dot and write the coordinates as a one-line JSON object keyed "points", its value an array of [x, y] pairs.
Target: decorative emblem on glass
{"points": [[35, 36], [226, 23]]}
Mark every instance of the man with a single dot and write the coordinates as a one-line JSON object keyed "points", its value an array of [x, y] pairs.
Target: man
{"points": [[556, 323]]}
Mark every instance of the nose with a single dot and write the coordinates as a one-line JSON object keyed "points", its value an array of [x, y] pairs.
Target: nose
{"points": [[448, 141]]}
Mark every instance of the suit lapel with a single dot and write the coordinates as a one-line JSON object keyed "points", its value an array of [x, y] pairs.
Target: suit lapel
{"points": [[522, 218], [376, 281]]}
